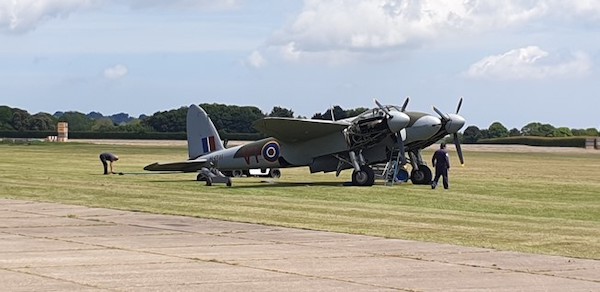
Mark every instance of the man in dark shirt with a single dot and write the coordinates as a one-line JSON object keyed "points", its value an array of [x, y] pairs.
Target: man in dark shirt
{"points": [[110, 158], [441, 162]]}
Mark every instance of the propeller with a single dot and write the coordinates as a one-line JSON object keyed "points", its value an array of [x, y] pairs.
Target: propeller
{"points": [[459, 105], [396, 121], [453, 123], [385, 110], [405, 103]]}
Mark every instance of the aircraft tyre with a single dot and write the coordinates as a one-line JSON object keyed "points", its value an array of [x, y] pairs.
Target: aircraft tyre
{"points": [[275, 173], [237, 173], [365, 177], [422, 176]]}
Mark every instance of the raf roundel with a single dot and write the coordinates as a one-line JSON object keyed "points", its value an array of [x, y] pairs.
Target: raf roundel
{"points": [[271, 151]]}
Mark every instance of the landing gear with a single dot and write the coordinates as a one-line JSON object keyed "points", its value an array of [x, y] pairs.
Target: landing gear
{"points": [[365, 177], [421, 175], [212, 176], [275, 173]]}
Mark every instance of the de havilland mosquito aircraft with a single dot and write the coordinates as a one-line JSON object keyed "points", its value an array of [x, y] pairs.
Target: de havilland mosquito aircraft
{"points": [[324, 146]]}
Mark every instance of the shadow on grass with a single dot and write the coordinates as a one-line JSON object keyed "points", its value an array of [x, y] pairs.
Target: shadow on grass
{"points": [[270, 184], [263, 184]]}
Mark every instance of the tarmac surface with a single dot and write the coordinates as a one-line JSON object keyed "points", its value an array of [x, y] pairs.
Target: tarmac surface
{"points": [[55, 247]]}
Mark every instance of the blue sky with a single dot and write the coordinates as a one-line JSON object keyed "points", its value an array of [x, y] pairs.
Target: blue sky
{"points": [[513, 61]]}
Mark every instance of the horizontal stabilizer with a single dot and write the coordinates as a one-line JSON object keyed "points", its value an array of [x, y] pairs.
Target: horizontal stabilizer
{"points": [[182, 166]]}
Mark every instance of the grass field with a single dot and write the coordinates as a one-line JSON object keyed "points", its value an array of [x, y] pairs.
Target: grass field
{"points": [[545, 203]]}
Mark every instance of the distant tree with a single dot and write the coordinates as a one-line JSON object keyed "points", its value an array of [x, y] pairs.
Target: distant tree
{"points": [[6, 115], [497, 130], [121, 118], [514, 132], [485, 134], [232, 118], [355, 112], [77, 121], [95, 115], [472, 134], [43, 122], [20, 119], [281, 112], [338, 113], [578, 132], [562, 132], [538, 129], [590, 132], [135, 126], [103, 125], [168, 121], [547, 130]]}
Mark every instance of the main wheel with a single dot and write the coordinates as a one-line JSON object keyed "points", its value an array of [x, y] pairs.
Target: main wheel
{"points": [[365, 177], [422, 176], [237, 173]]}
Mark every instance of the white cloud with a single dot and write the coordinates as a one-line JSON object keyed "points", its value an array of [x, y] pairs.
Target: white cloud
{"points": [[256, 60], [115, 72], [21, 16], [181, 4], [529, 63], [375, 26]]}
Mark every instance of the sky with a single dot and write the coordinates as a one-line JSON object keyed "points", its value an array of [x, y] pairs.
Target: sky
{"points": [[513, 61]]}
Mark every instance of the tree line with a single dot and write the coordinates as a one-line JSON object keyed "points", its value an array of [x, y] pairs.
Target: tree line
{"points": [[233, 119], [472, 134]]}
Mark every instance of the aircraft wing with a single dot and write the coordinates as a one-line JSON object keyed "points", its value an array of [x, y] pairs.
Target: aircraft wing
{"points": [[183, 166], [298, 130]]}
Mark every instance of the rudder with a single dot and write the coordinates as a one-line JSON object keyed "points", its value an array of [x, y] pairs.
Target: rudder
{"points": [[202, 136]]}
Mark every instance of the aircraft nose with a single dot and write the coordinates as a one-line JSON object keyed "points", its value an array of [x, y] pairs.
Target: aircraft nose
{"points": [[455, 123], [398, 121]]}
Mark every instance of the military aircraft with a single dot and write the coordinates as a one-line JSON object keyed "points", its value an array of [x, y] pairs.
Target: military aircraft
{"points": [[324, 146]]}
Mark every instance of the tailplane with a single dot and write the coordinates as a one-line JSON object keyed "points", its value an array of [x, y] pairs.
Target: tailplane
{"points": [[202, 136]]}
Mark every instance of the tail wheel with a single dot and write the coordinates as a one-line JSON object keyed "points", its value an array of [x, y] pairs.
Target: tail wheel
{"points": [[275, 173], [365, 177], [402, 175], [422, 176]]}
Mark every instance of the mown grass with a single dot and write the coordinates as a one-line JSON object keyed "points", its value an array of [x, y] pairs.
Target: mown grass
{"points": [[545, 203]]}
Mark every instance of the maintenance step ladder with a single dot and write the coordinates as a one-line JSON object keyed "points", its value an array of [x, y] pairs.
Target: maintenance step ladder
{"points": [[387, 171]]}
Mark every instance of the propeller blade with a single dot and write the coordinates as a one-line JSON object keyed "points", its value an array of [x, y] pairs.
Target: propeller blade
{"points": [[459, 149], [382, 107], [442, 115], [405, 103], [459, 105]]}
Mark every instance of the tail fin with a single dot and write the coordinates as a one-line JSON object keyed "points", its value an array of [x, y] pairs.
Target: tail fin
{"points": [[202, 136]]}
